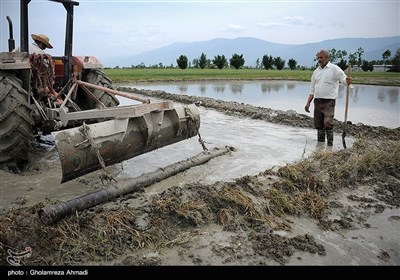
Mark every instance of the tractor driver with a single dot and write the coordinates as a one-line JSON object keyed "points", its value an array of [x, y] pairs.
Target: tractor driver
{"points": [[41, 42], [42, 66]]}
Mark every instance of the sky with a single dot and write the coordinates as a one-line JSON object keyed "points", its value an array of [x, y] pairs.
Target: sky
{"points": [[112, 28]]}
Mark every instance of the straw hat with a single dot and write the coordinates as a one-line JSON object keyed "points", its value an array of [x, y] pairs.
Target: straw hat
{"points": [[42, 38]]}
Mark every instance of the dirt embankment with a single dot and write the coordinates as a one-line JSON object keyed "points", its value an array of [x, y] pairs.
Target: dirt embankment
{"points": [[255, 220]]}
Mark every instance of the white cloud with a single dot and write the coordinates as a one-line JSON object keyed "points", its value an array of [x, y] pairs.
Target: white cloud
{"points": [[297, 20], [234, 28]]}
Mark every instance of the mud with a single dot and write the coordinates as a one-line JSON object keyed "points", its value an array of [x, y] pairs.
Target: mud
{"points": [[330, 208]]}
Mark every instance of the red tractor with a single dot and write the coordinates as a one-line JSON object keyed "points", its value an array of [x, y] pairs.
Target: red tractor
{"points": [[70, 97]]}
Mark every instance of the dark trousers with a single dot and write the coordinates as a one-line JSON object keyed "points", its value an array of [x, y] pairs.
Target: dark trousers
{"points": [[324, 112]]}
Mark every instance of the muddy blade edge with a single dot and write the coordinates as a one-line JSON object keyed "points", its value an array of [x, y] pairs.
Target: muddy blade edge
{"points": [[121, 139]]}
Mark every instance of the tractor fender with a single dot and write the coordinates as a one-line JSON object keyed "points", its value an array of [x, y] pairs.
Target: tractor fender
{"points": [[87, 62], [14, 61]]}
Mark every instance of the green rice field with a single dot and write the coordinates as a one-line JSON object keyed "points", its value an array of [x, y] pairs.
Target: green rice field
{"points": [[192, 74]]}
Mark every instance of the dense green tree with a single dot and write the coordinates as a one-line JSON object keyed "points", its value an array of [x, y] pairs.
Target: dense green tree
{"points": [[279, 63], [237, 61], [182, 61], [267, 62], [292, 64], [219, 61], [367, 66], [342, 64], [203, 61]]}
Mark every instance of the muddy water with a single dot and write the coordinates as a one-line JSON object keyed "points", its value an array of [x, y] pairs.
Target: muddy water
{"points": [[259, 146], [362, 246], [374, 242], [40, 184]]}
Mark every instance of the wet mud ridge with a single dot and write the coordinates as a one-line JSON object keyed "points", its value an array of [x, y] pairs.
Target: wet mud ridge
{"points": [[299, 213]]}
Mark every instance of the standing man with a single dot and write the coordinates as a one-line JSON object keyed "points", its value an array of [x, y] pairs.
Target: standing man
{"points": [[324, 90]]}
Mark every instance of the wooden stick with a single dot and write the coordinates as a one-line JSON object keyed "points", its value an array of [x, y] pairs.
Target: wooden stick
{"points": [[346, 110]]}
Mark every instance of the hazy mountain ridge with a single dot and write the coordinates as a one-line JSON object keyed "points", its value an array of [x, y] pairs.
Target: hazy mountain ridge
{"points": [[253, 48]]}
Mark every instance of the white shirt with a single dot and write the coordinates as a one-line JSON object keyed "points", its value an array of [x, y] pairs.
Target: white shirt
{"points": [[34, 48], [325, 81]]}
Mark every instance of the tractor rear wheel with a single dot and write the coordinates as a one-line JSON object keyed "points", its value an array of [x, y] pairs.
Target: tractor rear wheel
{"points": [[16, 121], [98, 78]]}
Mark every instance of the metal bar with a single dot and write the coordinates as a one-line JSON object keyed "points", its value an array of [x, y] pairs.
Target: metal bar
{"points": [[116, 112], [41, 112], [68, 95], [93, 97], [24, 33], [116, 92]]}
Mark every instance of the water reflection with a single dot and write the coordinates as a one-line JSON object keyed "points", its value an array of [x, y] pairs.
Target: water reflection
{"points": [[290, 87], [202, 89], [182, 89], [372, 105], [271, 87], [219, 88], [236, 88]]}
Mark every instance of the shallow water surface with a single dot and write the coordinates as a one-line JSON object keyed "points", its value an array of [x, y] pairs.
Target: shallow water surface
{"points": [[371, 105], [259, 146]]}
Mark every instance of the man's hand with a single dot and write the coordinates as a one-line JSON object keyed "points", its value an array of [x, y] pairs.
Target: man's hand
{"points": [[349, 80], [307, 108]]}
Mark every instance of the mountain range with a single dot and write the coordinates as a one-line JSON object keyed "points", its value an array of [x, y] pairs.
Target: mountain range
{"points": [[253, 49]]}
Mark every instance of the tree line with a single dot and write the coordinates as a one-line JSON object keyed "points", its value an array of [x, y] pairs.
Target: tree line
{"points": [[340, 57]]}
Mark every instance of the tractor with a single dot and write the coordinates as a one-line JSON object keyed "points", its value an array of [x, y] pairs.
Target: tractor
{"points": [[71, 98]]}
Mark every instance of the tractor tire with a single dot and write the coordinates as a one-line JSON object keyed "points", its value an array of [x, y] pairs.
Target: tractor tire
{"points": [[16, 120], [97, 77]]}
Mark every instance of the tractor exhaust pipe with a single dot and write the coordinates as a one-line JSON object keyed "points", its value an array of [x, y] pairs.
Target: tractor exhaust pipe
{"points": [[11, 41]]}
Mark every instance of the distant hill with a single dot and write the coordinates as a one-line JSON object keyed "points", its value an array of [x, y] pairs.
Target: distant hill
{"points": [[253, 48]]}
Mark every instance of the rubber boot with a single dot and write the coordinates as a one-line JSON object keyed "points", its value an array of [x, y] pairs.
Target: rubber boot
{"points": [[329, 137], [321, 135]]}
